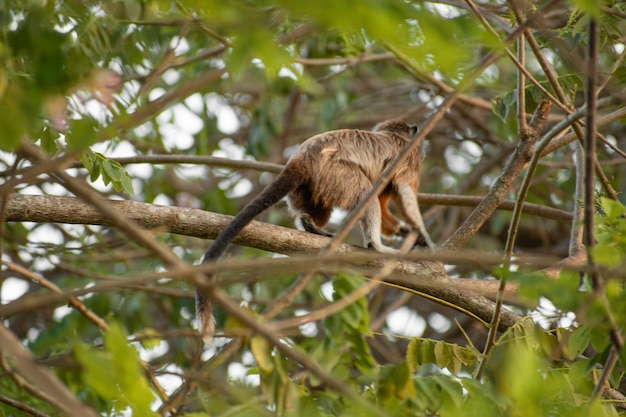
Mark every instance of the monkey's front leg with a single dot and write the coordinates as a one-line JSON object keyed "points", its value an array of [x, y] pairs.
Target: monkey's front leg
{"points": [[407, 202]]}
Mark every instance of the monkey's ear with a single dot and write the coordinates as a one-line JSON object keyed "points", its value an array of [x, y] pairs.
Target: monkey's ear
{"points": [[413, 129]]}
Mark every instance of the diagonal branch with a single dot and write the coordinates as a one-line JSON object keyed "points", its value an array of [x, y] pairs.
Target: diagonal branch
{"points": [[516, 163]]}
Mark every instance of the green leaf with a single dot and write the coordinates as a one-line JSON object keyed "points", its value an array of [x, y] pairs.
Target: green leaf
{"points": [[395, 383], [451, 390], [82, 133], [116, 373], [439, 353], [308, 408], [126, 365], [48, 139], [262, 353], [127, 184], [150, 338], [356, 315], [443, 355], [112, 170], [612, 209], [609, 256], [430, 393], [579, 341], [98, 374], [14, 118], [95, 171], [88, 158], [563, 293], [591, 7], [581, 369], [464, 355]]}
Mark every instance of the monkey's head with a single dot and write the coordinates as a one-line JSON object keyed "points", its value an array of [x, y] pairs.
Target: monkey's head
{"points": [[398, 127]]}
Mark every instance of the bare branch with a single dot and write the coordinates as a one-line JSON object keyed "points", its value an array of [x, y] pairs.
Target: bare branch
{"points": [[518, 161]]}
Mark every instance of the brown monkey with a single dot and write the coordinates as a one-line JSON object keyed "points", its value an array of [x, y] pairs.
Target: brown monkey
{"points": [[337, 169]]}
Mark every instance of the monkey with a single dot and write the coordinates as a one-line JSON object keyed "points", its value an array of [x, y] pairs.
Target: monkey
{"points": [[337, 169]]}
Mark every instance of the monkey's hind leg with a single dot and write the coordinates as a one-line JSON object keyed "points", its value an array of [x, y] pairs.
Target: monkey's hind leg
{"points": [[312, 215], [309, 225], [391, 225], [407, 203], [371, 225]]}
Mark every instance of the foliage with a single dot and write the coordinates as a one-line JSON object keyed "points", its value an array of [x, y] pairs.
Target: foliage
{"points": [[86, 84], [115, 374]]}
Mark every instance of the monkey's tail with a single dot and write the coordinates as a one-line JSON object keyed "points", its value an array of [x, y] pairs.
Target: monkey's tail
{"points": [[286, 181]]}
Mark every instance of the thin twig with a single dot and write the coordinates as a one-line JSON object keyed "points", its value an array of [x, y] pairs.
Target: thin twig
{"points": [[576, 231], [386, 269], [616, 65], [73, 301], [531, 135], [590, 148], [522, 125], [201, 160], [22, 406], [582, 111], [521, 68]]}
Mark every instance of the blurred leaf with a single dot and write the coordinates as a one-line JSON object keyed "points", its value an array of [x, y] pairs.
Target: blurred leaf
{"points": [[16, 116], [592, 7], [48, 143], [563, 293], [355, 316], [150, 338], [99, 374], [451, 391], [262, 353], [574, 342], [261, 133], [614, 210], [116, 374], [395, 383], [439, 353], [131, 379], [608, 255], [82, 133]]}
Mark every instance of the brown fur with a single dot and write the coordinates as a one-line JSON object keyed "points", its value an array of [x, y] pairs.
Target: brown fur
{"points": [[338, 169]]}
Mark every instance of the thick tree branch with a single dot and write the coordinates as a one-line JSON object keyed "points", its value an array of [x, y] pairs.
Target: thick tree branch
{"points": [[428, 277], [203, 224]]}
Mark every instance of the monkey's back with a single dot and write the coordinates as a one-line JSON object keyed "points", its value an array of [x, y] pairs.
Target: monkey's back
{"points": [[338, 168]]}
